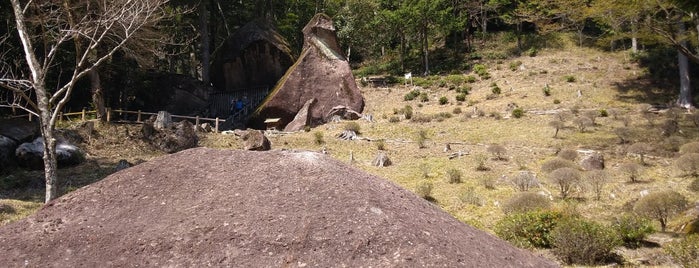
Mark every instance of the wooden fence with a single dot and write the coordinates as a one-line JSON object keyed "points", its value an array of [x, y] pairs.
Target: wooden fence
{"points": [[139, 116]]}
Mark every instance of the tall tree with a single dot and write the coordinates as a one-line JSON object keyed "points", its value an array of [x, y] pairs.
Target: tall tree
{"points": [[44, 30]]}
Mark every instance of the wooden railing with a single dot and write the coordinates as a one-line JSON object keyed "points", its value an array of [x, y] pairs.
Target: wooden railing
{"points": [[139, 116]]}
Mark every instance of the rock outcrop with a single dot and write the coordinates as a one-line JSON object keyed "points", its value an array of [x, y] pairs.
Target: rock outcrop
{"points": [[167, 136], [321, 72], [302, 118], [256, 55], [14, 132], [249, 209], [254, 140]]}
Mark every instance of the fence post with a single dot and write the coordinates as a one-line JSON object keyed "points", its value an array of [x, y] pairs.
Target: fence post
{"points": [[196, 121], [216, 125], [109, 114], [138, 118], [83, 115], [30, 117]]}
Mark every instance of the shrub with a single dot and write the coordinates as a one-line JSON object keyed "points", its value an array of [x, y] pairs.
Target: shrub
{"points": [[596, 179], [694, 185], [381, 145], [566, 179], [470, 196], [661, 206], [393, 119], [624, 134], [470, 79], [524, 181], [556, 101], [495, 89], [352, 126], [424, 189], [689, 163], [557, 125], [408, 111], [529, 229], [525, 202], [454, 175], [461, 97], [556, 163], [421, 118], [691, 147], [481, 160], [632, 229], [568, 154], [456, 110], [603, 113], [583, 242], [569, 78], [641, 149], [443, 100], [532, 52], [685, 251], [669, 127], [421, 138], [632, 170], [583, 123], [424, 97], [547, 91], [488, 182], [411, 95], [498, 151], [515, 65], [480, 69], [517, 112], [318, 137]]}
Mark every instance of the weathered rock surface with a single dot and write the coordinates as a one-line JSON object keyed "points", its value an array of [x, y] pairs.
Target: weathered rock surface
{"points": [[30, 154], [250, 209], [174, 138], [13, 132], [302, 118], [253, 56], [593, 161], [321, 72], [254, 140]]}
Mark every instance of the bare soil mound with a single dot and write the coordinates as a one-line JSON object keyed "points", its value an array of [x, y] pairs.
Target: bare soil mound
{"points": [[206, 207]]}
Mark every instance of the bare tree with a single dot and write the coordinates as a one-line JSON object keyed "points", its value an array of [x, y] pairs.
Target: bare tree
{"points": [[107, 25]]}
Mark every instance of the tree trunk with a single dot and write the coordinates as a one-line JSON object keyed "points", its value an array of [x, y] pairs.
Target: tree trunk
{"points": [[205, 42], [425, 49], [634, 40], [685, 98], [97, 95]]}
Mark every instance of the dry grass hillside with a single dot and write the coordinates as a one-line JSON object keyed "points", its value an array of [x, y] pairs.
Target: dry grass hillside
{"points": [[579, 83]]}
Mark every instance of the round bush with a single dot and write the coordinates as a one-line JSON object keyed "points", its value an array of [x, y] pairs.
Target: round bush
{"points": [[583, 242], [517, 113], [524, 202], [632, 229], [530, 229], [443, 100]]}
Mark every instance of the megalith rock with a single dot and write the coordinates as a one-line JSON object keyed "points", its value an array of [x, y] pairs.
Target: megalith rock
{"points": [[30, 155], [320, 72], [255, 55], [302, 118]]}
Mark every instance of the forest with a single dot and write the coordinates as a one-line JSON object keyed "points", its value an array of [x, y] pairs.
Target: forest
{"points": [[379, 37]]}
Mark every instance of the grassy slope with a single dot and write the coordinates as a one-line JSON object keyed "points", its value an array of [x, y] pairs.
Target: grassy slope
{"points": [[528, 140]]}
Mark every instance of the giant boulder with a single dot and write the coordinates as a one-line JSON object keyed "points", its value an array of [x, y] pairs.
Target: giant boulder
{"points": [[170, 138], [224, 208], [321, 72], [30, 154]]}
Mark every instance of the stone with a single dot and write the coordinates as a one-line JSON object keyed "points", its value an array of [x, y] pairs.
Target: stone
{"points": [[343, 112], [321, 72], [348, 135], [206, 127], [123, 164], [179, 136], [381, 160], [302, 118], [254, 140], [163, 120], [30, 154], [593, 161]]}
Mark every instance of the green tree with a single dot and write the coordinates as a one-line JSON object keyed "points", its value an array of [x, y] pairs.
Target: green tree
{"points": [[661, 206]]}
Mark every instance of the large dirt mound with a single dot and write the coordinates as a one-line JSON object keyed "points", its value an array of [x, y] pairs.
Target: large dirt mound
{"points": [[205, 207]]}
